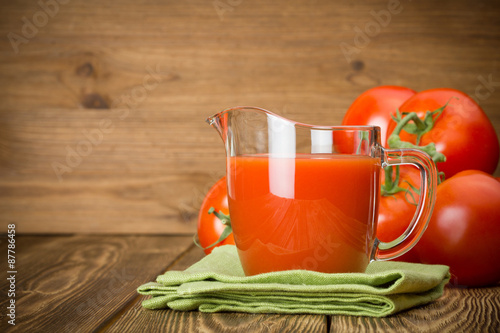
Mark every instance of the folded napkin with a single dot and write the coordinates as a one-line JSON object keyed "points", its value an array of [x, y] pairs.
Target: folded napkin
{"points": [[217, 283]]}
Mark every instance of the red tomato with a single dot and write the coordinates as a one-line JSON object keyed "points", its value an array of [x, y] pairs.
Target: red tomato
{"points": [[396, 211], [463, 132], [464, 231], [375, 107], [350, 142], [209, 226]]}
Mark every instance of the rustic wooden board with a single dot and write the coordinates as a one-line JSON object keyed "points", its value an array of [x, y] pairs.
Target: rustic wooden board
{"points": [[145, 74], [172, 321], [458, 310], [75, 283]]}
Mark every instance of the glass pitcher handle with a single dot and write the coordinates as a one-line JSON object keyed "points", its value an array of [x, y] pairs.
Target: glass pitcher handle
{"points": [[428, 185]]}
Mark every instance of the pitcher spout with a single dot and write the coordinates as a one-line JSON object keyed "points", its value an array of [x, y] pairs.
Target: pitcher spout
{"points": [[218, 123], [245, 129]]}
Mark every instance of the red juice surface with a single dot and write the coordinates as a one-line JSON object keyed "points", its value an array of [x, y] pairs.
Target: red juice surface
{"points": [[314, 212]]}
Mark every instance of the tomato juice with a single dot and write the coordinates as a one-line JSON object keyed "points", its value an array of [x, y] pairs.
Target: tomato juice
{"points": [[314, 211]]}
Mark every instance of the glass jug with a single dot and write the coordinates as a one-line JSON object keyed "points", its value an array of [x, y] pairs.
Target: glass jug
{"points": [[306, 197]]}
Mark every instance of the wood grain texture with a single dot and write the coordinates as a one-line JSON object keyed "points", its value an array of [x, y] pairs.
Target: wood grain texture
{"points": [[136, 318], [75, 283], [458, 310], [128, 85]]}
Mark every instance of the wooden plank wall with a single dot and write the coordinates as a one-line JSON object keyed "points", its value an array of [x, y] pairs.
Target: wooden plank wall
{"points": [[102, 104]]}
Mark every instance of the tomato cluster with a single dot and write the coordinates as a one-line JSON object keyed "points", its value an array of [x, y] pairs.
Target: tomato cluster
{"points": [[464, 231]]}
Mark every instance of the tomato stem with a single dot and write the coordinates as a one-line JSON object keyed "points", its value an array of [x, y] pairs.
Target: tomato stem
{"points": [[225, 233], [221, 216], [391, 185], [412, 124]]}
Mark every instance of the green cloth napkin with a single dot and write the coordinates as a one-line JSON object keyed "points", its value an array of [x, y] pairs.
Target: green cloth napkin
{"points": [[217, 283]]}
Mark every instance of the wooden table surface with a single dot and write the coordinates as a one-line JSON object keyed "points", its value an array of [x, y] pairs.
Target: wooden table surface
{"points": [[87, 283]]}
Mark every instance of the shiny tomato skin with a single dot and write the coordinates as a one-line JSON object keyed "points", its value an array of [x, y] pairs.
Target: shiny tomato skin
{"points": [[375, 107], [463, 132], [396, 211], [464, 231], [209, 226], [349, 142]]}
